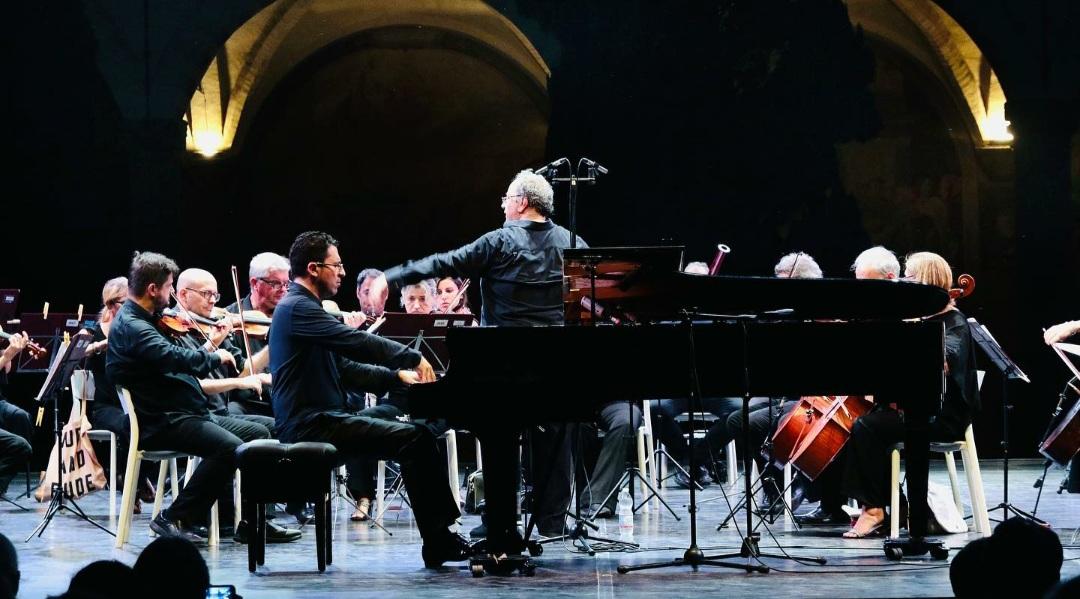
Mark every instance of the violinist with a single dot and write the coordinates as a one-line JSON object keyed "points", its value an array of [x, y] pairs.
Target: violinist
{"points": [[372, 306], [268, 281], [866, 468], [162, 377], [450, 297], [15, 429]]}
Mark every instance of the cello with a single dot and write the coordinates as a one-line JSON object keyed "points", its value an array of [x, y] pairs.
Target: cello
{"points": [[811, 435]]}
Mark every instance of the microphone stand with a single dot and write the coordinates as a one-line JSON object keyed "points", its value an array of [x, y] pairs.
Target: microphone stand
{"points": [[593, 170]]}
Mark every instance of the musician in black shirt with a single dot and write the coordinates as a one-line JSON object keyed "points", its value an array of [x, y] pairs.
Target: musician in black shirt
{"points": [[520, 269], [167, 397], [314, 358], [866, 468]]}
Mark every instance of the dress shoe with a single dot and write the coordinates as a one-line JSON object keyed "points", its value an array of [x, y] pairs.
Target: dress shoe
{"points": [[824, 517], [363, 510], [165, 526], [598, 512], [701, 477], [304, 515], [274, 533], [446, 547]]}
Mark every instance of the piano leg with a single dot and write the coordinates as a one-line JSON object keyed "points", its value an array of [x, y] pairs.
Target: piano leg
{"points": [[917, 456]]}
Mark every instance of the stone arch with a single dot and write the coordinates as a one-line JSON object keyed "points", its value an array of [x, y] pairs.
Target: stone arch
{"points": [[926, 33], [261, 53]]}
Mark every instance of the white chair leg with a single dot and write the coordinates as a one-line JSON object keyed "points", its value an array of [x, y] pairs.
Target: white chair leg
{"points": [[127, 501], [159, 493], [189, 471], [954, 481], [112, 475], [215, 523], [237, 500], [650, 462], [452, 465], [479, 456], [176, 478], [661, 464], [894, 494], [380, 487], [979, 512], [732, 464], [643, 467]]}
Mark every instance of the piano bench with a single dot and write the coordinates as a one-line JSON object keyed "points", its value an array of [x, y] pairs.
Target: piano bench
{"points": [[274, 472]]}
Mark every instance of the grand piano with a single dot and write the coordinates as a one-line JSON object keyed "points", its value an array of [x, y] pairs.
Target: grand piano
{"points": [[746, 336]]}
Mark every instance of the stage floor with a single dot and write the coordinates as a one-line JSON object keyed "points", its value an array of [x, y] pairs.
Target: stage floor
{"points": [[368, 561]]}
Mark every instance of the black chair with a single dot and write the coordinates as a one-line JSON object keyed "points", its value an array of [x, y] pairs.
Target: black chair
{"points": [[273, 472]]}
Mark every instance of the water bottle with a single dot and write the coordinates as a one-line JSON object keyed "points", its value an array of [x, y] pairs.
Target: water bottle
{"points": [[626, 514]]}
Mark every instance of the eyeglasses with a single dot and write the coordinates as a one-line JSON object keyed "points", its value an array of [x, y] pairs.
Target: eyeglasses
{"points": [[210, 296], [276, 285], [507, 198], [340, 266]]}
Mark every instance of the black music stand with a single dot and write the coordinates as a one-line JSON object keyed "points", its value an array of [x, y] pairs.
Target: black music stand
{"points": [[1010, 372], [70, 355], [426, 333]]}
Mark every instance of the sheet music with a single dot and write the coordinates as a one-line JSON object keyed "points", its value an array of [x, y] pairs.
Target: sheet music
{"points": [[1069, 348]]}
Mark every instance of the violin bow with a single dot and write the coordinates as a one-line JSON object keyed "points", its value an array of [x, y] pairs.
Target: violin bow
{"points": [[240, 310], [457, 297]]}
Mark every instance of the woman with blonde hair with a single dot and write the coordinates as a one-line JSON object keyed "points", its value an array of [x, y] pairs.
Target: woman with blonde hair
{"points": [[866, 468]]}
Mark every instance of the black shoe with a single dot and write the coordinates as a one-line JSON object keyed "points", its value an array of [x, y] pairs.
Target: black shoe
{"points": [[598, 512], [164, 526], [304, 515], [479, 532], [274, 533], [701, 477], [448, 547], [824, 517], [555, 530]]}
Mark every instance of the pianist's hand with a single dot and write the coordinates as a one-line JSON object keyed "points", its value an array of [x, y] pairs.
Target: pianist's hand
{"points": [[409, 377], [1060, 332], [426, 372]]}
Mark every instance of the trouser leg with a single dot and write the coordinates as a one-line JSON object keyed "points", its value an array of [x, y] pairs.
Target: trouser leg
{"points": [[866, 467], [551, 473], [216, 446], [620, 422], [15, 447]]}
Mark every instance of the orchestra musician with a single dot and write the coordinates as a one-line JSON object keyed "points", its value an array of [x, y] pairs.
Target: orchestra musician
{"points": [[1055, 334], [519, 266], [15, 429], [168, 399], [315, 358], [419, 297], [866, 467], [268, 281], [450, 290], [372, 306]]}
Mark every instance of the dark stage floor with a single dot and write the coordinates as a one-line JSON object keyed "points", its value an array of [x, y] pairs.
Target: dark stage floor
{"points": [[368, 561]]}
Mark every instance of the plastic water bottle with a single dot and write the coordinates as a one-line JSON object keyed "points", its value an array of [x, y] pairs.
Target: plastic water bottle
{"points": [[626, 514]]}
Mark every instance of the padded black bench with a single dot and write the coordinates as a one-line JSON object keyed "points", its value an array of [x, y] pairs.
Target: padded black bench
{"points": [[272, 472]]}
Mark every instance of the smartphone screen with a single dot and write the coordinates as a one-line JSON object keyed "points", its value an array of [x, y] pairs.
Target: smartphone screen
{"points": [[220, 591]]}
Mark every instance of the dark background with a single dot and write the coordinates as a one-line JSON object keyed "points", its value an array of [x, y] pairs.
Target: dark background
{"points": [[722, 121]]}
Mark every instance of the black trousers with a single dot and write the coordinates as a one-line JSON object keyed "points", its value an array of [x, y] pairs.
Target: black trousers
{"points": [[412, 445], [203, 437], [671, 434], [362, 469], [731, 428], [15, 448], [620, 422], [866, 464]]}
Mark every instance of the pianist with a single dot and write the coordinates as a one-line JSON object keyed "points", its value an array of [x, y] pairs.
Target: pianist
{"points": [[314, 358]]}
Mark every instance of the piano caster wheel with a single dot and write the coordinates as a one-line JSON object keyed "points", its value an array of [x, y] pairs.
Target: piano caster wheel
{"points": [[535, 549], [939, 553], [477, 569], [894, 553]]}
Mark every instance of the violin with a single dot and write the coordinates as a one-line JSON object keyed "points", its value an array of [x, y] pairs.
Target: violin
{"points": [[36, 351], [256, 324]]}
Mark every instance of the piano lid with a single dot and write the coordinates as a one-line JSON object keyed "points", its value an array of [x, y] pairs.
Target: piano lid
{"points": [[644, 284]]}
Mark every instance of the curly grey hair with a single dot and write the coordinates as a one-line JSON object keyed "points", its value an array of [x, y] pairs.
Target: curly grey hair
{"points": [[427, 284], [878, 258], [536, 190], [798, 265]]}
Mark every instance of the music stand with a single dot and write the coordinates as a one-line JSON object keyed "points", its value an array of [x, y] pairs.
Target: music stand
{"points": [[70, 355], [9, 302], [1010, 372], [426, 333]]}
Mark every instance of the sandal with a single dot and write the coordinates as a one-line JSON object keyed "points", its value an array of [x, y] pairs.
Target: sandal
{"points": [[874, 530], [363, 508]]}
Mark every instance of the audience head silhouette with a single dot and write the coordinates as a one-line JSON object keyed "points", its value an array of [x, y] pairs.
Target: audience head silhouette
{"points": [[986, 567], [9, 569], [171, 568]]}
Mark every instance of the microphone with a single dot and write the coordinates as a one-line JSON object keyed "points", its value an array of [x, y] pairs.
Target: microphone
{"points": [[594, 166], [548, 170]]}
